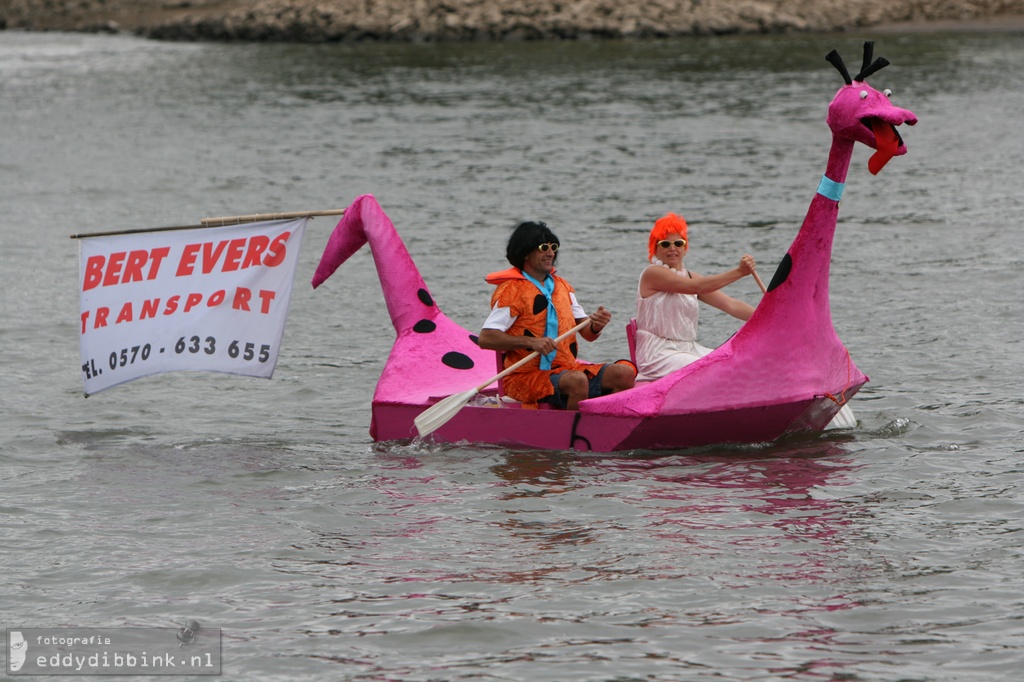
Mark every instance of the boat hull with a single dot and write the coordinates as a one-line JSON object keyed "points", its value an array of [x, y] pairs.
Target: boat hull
{"points": [[550, 429]]}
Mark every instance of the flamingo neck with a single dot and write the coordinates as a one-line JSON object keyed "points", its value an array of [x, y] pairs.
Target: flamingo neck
{"points": [[834, 179]]}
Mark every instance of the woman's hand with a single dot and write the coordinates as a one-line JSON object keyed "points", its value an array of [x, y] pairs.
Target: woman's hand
{"points": [[746, 266]]}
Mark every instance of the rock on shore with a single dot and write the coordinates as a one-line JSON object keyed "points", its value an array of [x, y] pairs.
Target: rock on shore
{"points": [[436, 20]]}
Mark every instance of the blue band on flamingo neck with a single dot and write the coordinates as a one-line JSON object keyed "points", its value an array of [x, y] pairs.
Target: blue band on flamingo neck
{"points": [[831, 189]]}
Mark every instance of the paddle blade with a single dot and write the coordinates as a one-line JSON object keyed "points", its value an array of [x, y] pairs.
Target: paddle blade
{"points": [[437, 415], [844, 419]]}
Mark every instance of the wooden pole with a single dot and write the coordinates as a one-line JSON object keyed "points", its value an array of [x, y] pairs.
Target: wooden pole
{"points": [[259, 217], [218, 222], [757, 279]]}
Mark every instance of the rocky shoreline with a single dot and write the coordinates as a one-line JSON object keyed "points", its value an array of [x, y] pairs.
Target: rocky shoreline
{"points": [[490, 20]]}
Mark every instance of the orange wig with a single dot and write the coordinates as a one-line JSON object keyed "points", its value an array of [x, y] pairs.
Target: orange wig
{"points": [[668, 224]]}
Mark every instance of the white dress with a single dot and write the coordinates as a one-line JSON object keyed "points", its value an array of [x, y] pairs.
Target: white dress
{"points": [[666, 334]]}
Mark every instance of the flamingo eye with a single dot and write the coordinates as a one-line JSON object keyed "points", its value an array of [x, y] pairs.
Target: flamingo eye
{"points": [[887, 92], [863, 94]]}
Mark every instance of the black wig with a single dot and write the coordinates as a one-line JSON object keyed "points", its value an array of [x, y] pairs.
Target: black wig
{"points": [[525, 238]]}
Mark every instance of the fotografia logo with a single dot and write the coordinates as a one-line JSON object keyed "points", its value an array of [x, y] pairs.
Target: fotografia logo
{"points": [[19, 649], [188, 650]]}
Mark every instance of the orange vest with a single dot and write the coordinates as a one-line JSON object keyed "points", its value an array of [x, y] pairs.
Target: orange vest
{"points": [[529, 307]]}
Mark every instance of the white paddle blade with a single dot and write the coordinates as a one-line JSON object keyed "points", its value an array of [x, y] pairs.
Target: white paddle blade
{"points": [[438, 414], [844, 419]]}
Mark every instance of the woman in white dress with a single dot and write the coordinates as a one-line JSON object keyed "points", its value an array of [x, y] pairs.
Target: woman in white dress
{"points": [[666, 301]]}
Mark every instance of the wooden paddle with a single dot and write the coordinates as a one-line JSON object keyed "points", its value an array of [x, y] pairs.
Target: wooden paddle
{"points": [[757, 278], [437, 415]]}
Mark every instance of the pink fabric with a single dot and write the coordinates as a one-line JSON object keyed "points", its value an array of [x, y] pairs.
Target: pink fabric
{"points": [[432, 356]]}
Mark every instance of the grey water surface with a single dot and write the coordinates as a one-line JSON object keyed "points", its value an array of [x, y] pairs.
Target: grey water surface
{"points": [[892, 551]]}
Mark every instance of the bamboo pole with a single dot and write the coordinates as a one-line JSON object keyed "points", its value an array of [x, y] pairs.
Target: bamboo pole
{"points": [[218, 222]]}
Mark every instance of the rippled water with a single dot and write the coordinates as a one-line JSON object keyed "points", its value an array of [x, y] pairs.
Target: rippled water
{"points": [[889, 552]]}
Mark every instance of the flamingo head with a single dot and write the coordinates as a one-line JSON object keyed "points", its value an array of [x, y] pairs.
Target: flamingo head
{"points": [[861, 113]]}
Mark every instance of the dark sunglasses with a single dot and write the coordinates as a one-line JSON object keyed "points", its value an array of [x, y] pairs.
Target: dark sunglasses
{"points": [[544, 248], [679, 243]]}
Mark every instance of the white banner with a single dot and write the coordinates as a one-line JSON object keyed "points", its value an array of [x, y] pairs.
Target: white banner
{"points": [[208, 299]]}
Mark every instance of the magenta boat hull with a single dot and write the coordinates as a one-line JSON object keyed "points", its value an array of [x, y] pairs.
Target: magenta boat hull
{"points": [[546, 429]]}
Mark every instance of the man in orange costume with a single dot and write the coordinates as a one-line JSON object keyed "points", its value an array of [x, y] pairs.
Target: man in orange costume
{"points": [[530, 308]]}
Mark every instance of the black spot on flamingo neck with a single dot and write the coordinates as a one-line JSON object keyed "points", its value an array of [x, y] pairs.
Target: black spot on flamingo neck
{"points": [[782, 272], [425, 297], [424, 327]]}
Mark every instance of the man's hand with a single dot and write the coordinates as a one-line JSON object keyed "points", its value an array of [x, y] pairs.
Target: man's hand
{"points": [[599, 319], [543, 345]]}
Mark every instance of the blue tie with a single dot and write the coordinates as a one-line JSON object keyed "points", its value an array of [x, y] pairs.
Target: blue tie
{"points": [[551, 328]]}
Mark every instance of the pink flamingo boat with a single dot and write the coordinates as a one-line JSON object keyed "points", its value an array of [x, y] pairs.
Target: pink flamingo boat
{"points": [[784, 371]]}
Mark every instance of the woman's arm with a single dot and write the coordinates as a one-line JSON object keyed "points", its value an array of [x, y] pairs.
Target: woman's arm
{"points": [[727, 304], [656, 278]]}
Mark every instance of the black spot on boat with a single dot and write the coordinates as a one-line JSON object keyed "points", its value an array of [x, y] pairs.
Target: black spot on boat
{"points": [[457, 360]]}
